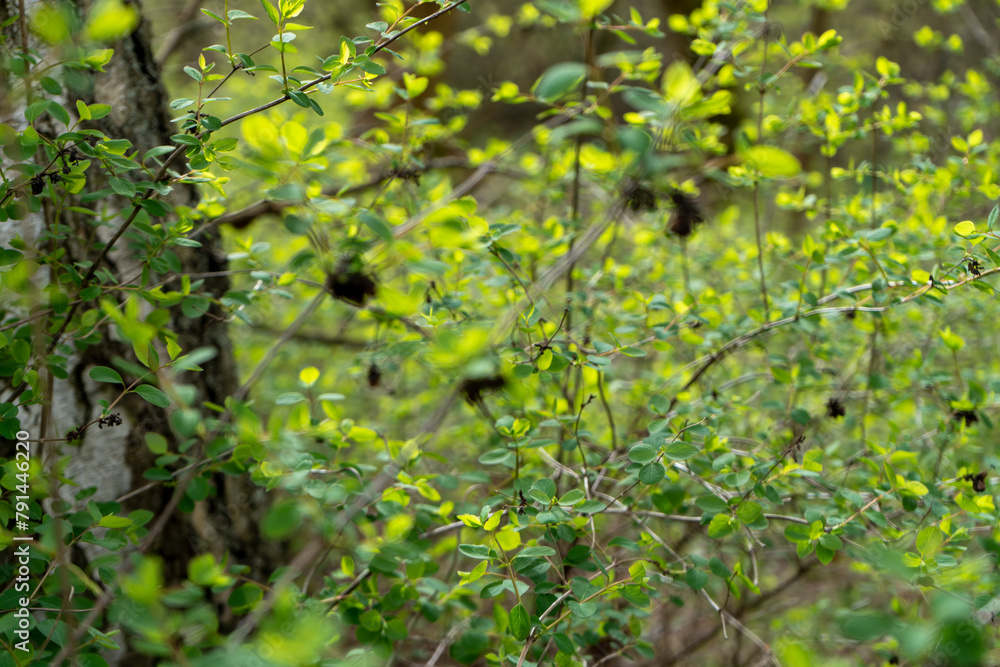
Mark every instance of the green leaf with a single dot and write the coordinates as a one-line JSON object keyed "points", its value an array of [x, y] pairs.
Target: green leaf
{"points": [[994, 257], [781, 375], [582, 609], [591, 507], [35, 109], [722, 525], [797, 532], [642, 453], [651, 473], [204, 570], [559, 81], [112, 521], [719, 568], [105, 374], [681, 451], [572, 497], [214, 16], [299, 98], [563, 643], [371, 620], [535, 552], [547, 487], [824, 554], [965, 228], [880, 234], [591, 8], [712, 504], [372, 67], [10, 256], [272, 12], [520, 623], [749, 511], [158, 209], [122, 186], [395, 630], [110, 20], [831, 541], [928, 541], [497, 456], [152, 395], [634, 594], [479, 551], [771, 161], [492, 589], [680, 85], [98, 111], [245, 597], [696, 578], [582, 588], [377, 225], [289, 398]]}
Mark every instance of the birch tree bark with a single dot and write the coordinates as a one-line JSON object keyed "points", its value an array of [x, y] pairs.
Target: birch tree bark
{"points": [[113, 460]]}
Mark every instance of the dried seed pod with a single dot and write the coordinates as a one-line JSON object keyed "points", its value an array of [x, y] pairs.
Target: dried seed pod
{"points": [[350, 283], [472, 389], [642, 199], [968, 416], [410, 174], [834, 408], [374, 375], [979, 482], [113, 419], [687, 214]]}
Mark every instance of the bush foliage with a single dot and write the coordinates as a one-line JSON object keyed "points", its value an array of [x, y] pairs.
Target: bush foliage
{"points": [[698, 364]]}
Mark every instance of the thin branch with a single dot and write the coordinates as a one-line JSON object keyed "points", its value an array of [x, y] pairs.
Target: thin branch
{"points": [[756, 182], [243, 217], [607, 410], [183, 26], [326, 77], [446, 642]]}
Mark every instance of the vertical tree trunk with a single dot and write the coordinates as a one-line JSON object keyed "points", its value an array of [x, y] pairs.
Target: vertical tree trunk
{"points": [[114, 460]]}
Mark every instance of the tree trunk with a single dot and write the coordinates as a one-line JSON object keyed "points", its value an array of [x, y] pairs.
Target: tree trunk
{"points": [[114, 459]]}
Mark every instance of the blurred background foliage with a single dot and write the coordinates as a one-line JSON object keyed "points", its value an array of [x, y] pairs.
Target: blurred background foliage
{"points": [[684, 304], [839, 401]]}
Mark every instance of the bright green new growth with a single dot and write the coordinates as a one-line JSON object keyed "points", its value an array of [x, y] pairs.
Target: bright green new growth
{"points": [[630, 381]]}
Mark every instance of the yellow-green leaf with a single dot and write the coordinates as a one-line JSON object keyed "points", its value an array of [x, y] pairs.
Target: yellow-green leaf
{"points": [[110, 20], [493, 521], [680, 85], [112, 521], [952, 340], [772, 161], [965, 228], [308, 376], [591, 8]]}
